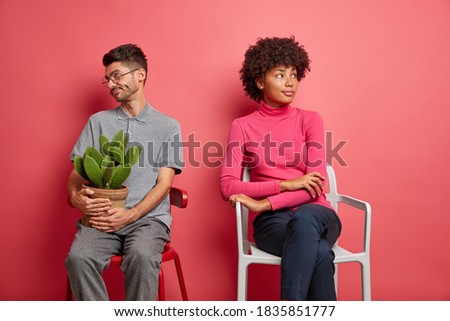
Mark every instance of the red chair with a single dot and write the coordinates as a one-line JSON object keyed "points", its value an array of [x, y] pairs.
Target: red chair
{"points": [[178, 198]]}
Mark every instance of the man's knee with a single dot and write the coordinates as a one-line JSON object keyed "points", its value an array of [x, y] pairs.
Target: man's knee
{"points": [[77, 260], [147, 260], [72, 258]]}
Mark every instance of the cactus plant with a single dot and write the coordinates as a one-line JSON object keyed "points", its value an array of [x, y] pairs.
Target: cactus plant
{"points": [[110, 166]]}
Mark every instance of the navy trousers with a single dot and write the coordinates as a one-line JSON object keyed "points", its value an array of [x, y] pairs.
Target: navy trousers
{"points": [[303, 238]]}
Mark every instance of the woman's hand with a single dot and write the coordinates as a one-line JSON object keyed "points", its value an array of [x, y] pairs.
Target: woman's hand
{"points": [[312, 182], [250, 203]]}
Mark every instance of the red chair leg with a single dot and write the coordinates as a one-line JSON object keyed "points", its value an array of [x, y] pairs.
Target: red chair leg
{"points": [[180, 278], [161, 286]]}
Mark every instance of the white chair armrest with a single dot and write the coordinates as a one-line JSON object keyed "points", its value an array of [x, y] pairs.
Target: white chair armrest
{"points": [[362, 205], [365, 207]]}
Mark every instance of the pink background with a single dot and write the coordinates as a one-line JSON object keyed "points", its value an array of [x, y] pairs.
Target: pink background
{"points": [[380, 79]]}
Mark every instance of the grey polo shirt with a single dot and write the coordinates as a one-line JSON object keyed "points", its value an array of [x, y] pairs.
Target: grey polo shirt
{"points": [[160, 137]]}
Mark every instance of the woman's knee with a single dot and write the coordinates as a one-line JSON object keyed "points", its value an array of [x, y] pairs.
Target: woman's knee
{"points": [[304, 219], [325, 254]]}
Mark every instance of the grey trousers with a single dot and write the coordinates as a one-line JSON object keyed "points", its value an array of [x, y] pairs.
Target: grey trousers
{"points": [[141, 244]]}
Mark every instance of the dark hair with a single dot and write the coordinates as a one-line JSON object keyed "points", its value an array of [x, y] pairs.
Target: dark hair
{"points": [[129, 54], [268, 53]]}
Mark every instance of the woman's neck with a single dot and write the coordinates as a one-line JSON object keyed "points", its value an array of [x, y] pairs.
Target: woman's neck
{"points": [[267, 110]]}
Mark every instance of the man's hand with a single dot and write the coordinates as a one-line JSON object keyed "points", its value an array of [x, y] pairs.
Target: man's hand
{"points": [[250, 203], [113, 220], [312, 182], [89, 206]]}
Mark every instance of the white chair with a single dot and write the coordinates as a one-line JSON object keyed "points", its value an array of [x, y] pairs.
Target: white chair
{"points": [[250, 254]]}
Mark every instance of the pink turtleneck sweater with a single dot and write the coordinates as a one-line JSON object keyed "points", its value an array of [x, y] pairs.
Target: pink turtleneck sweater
{"points": [[278, 144]]}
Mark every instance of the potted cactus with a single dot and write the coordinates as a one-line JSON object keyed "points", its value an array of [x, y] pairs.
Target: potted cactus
{"points": [[106, 169]]}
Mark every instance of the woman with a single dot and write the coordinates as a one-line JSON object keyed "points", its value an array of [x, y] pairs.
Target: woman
{"points": [[284, 147]]}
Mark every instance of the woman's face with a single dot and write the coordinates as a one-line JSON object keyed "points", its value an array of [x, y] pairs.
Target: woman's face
{"points": [[279, 85]]}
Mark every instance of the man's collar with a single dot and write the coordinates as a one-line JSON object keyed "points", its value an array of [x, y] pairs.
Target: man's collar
{"points": [[142, 117]]}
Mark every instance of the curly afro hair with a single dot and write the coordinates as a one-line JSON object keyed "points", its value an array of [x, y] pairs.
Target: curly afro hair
{"points": [[268, 53]]}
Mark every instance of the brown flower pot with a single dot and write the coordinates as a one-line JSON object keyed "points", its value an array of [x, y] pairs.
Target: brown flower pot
{"points": [[117, 197]]}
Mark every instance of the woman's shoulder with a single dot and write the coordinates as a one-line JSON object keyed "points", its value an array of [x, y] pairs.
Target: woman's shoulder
{"points": [[308, 115], [307, 111], [246, 118]]}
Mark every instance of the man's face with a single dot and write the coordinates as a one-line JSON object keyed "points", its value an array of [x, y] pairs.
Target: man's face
{"points": [[122, 81]]}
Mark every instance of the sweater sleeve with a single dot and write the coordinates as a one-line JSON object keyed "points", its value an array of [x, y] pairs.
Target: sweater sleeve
{"points": [[231, 171], [315, 162]]}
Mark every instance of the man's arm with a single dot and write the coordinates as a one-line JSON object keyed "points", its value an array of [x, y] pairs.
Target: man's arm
{"points": [[116, 218]]}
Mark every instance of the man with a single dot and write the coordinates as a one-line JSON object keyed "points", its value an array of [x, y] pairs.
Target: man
{"points": [[140, 230]]}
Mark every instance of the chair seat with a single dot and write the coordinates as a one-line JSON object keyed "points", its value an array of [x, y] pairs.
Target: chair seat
{"points": [[342, 255], [263, 257], [168, 254]]}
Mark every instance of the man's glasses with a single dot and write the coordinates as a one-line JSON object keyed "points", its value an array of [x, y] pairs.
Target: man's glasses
{"points": [[115, 78]]}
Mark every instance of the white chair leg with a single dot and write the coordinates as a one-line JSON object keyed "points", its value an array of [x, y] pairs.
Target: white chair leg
{"points": [[365, 281], [242, 282], [336, 278]]}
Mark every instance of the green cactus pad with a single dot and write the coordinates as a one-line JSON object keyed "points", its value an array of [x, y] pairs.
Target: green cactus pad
{"points": [[104, 143], [116, 153], [132, 156], [118, 137], [94, 153], [92, 170], [107, 162], [78, 163], [116, 144], [119, 175], [107, 174]]}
